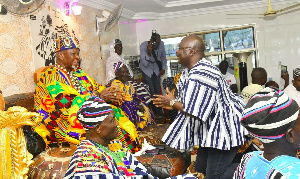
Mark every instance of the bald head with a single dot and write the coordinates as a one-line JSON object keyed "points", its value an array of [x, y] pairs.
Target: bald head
{"points": [[259, 76], [195, 42], [190, 51]]}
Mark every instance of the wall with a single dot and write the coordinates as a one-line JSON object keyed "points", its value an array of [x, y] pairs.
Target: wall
{"points": [[278, 39], [16, 61], [16, 53]]}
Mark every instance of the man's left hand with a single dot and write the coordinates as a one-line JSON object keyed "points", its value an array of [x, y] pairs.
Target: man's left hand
{"points": [[162, 72]]}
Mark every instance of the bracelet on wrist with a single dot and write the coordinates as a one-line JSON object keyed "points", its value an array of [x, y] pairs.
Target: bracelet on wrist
{"points": [[172, 102]]}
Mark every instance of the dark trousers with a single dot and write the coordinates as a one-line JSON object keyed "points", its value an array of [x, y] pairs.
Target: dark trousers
{"points": [[154, 84], [215, 163]]}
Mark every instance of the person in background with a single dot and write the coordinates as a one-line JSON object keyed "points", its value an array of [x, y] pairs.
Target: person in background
{"points": [[208, 113], [133, 105], [293, 90], [116, 49], [60, 92], [231, 81], [273, 118], [272, 83], [100, 155], [259, 78], [153, 64]]}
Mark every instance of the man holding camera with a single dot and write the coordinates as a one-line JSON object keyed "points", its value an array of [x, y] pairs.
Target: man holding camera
{"points": [[153, 64]]}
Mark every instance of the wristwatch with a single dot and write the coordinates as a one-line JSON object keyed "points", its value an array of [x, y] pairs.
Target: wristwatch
{"points": [[172, 102]]}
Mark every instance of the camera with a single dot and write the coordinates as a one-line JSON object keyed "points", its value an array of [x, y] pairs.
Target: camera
{"points": [[153, 38]]}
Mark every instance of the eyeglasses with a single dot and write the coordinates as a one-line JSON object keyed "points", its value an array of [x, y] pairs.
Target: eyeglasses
{"points": [[183, 48]]}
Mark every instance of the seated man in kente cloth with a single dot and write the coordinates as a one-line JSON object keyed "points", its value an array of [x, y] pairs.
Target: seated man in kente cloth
{"points": [[60, 92], [99, 155]]}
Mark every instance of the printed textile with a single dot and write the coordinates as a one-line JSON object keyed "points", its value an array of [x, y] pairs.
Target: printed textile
{"points": [[92, 160], [131, 105], [57, 100]]}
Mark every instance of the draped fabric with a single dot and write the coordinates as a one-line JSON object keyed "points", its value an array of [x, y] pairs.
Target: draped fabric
{"points": [[57, 100], [92, 160], [131, 105]]}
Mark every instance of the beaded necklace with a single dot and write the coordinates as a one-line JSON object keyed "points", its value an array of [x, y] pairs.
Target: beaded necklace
{"points": [[74, 80]]}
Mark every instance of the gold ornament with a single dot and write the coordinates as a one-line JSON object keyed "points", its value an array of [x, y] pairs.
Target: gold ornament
{"points": [[15, 159]]}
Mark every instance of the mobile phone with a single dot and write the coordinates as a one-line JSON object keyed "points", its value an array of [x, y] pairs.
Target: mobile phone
{"points": [[153, 151], [283, 70]]}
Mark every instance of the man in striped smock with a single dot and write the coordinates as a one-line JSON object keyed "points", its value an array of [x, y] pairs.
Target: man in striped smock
{"points": [[209, 112]]}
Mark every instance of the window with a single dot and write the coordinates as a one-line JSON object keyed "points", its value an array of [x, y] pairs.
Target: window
{"points": [[220, 45]]}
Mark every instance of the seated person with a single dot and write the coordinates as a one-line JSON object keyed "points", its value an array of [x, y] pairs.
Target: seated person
{"points": [[99, 155], [115, 50], [230, 79], [133, 105], [259, 78], [293, 90], [272, 83], [60, 92], [273, 118]]}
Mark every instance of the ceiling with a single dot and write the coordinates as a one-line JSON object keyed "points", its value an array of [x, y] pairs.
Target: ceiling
{"points": [[163, 9]]}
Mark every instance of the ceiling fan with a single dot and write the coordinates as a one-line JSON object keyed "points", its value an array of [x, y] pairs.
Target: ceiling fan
{"points": [[270, 11]]}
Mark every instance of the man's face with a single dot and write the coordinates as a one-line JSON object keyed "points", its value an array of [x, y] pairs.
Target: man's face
{"points": [[183, 52], [123, 74], [223, 68], [71, 58], [296, 83], [118, 49], [156, 44], [109, 127]]}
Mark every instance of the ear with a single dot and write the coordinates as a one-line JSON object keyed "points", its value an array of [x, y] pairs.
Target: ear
{"points": [[293, 81], [98, 129], [290, 135], [60, 56], [192, 52]]}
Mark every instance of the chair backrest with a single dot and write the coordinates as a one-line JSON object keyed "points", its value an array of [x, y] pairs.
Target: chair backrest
{"points": [[14, 157], [38, 72]]}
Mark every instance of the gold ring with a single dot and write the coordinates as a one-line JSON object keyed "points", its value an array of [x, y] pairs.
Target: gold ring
{"points": [[115, 94]]}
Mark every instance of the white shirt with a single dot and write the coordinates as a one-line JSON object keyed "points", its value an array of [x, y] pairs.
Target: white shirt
{"points": [[230, 79], [293, 93]]}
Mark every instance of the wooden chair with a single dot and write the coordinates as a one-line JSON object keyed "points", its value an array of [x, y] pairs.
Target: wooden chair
{"points": [[14, 157]]}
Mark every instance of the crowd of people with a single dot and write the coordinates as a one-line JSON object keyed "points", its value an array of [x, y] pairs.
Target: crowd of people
{"points": [[104, 120]]}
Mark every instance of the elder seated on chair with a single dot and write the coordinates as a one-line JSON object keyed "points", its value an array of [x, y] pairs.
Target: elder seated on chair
{"points": [[134, 105], [60, 92]]}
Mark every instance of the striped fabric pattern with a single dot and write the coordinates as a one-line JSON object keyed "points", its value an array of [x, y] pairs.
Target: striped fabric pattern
{"points": [[101, 164], [269, 114], [90, 161], [215, 111], [92, 112], [254, 166], [142, 90]]}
